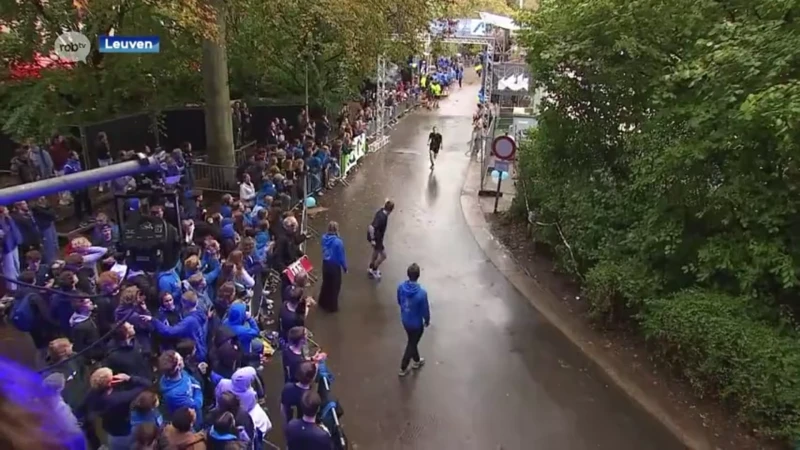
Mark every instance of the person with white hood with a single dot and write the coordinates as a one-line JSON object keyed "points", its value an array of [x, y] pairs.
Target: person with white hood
{"points": [[241, 385], [247, 192]]}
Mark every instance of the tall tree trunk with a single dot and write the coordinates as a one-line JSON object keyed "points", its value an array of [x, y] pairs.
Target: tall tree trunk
{"points": [[219, 128]]}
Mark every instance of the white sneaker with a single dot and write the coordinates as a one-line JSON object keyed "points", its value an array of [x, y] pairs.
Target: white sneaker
{"points": [[371, 273], [403, 373], [418, 364], [377, 274]]}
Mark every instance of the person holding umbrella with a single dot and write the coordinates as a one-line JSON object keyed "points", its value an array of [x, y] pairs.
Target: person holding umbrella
{"points": [[334, 262]]}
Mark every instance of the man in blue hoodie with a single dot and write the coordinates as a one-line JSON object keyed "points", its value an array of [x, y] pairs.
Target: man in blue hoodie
{"points": [[194, 325], [11, 240], [244, 326], [415, 313], [178, 387], [169, 281], [333, 263]]}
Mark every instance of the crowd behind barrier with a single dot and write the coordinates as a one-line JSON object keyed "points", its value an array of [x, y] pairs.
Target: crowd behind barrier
{"points": [[229, 288], [99, 316]]}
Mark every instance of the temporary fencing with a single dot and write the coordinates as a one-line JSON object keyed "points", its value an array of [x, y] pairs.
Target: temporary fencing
{"points": [[370, 140], [482, 142]]}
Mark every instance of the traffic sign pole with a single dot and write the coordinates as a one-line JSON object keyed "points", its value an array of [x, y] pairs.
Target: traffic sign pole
{"points": [[503, 148]]}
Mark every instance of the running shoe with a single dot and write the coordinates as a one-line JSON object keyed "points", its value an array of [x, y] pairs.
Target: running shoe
{"points": [[418, 364]]}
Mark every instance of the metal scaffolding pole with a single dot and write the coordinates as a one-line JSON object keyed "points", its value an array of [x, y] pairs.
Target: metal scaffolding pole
{"points": [[488, 72], [80, 180], [380, 107]]}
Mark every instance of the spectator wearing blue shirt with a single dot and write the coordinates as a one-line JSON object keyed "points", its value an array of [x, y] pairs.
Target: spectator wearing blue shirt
{"points": [[82, 203], [415, 314], [334, 262], [314, 165]]}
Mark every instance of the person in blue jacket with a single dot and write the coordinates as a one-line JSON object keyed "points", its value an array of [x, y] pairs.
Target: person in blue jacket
{"points": [[244, 326], [169, 281], [11, 239], [262, 244], [82, 203], [178, 387], [334, 263], [194, 325], [415, 313]]}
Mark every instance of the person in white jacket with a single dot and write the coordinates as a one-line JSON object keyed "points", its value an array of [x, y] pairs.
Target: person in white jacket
{"points": [[247, 192], [241, 384]]}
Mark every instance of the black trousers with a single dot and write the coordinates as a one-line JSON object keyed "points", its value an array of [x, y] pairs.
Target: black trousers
{"points": [[331, 286], [412, 352], [82, 204]]}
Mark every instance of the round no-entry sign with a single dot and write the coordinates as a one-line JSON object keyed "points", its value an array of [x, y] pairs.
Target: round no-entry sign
{"points": [[504, 147]]}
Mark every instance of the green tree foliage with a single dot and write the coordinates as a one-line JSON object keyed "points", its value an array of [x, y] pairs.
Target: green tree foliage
{"points": [[268, 44], [106, 84], [272, 43], [667, 152]]}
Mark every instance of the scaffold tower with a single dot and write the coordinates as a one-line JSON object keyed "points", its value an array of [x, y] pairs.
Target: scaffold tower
{"points": [[380, 100]]}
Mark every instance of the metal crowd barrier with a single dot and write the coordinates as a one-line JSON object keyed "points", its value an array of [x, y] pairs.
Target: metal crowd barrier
{"points": [[484, 144], [242, 153], [215, 178]]}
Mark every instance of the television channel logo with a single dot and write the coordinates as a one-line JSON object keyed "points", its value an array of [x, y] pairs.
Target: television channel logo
{"points": [[73, 46], [129, 44]]}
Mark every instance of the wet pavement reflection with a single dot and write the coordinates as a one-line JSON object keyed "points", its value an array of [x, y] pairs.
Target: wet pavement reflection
{"points": [[497, 375]]}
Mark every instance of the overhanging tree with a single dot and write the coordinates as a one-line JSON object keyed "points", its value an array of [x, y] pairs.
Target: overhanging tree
{"points": [[667, 153], [107, 84]]}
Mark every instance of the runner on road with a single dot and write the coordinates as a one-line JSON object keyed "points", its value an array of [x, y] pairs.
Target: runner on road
{"points": [[435, 144], [375, 236]]}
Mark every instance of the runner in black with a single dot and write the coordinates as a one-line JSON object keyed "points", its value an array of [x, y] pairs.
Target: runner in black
{"points": [[375, 236], [434, 143]]}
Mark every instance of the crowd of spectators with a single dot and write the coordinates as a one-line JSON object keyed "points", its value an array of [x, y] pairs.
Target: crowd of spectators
{"points": [[169, 359]]}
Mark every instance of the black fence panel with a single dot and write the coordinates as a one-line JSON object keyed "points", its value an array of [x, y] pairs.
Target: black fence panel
{"points": [[7, 148], [184, 125], [124, 133], [261, 115]]}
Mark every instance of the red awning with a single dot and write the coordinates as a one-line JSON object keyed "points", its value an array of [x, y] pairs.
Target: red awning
{"points": [[33, 69]]}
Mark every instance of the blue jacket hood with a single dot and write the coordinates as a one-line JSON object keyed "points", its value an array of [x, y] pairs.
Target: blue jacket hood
{"points": [[217, 436], [237, 314], [228, 231], [414, 308], [180, 392], [333, 250], [409, 288], [262, 239]]}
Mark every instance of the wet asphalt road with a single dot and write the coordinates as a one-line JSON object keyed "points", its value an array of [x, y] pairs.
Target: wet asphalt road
{"points": [[497, 375]]}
